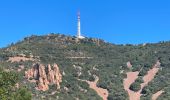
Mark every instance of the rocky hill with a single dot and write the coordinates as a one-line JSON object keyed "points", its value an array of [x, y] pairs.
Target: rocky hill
{"points": [[59, 67]]}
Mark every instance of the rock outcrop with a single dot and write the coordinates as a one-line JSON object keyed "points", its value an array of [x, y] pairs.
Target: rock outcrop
{"points": [[44, 75], [129, 65]]}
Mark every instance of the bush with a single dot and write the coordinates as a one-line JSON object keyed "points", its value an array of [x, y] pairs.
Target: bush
{"points": [[22, 94], [102, 85], [143, 71], [135, 86], [110, 97], [8, 91], [91, 78]]}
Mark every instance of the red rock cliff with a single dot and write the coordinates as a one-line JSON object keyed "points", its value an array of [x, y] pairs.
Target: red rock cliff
{"points": [[44, 75]]}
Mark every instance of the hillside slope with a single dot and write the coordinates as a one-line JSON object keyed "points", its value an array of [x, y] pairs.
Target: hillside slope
{"points": [[80, 62]]}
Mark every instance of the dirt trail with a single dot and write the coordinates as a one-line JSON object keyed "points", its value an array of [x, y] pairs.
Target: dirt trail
{"points": [[149, 77], [157, 94], [18, 59], [100, 91], [132, 76]]}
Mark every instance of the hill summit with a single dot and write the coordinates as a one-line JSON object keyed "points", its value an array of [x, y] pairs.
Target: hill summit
{"points": [[60, 67]]}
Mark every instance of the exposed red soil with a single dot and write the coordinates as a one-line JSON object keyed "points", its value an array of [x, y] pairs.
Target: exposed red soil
{"points": [[132, 76], [157, 94], [100, 91], [149, 77], [18, 59]]}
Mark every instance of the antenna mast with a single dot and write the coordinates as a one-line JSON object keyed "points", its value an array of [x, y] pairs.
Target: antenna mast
{"points": [[78, 26]]}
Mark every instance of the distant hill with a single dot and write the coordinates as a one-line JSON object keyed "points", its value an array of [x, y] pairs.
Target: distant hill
{"points": [[60, 67]]}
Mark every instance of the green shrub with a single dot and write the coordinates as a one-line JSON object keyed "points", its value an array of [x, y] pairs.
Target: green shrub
{"points": [[135, 86]]}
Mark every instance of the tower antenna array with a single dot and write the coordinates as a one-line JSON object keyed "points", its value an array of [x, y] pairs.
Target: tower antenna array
{"points": [[79, 27]]}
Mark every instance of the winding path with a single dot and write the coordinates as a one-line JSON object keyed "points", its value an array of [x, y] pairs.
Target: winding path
{"points": [[100, 91]]}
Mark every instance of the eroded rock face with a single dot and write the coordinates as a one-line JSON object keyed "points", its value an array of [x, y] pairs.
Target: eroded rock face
{"points": [[44, 75], [57, 76]]}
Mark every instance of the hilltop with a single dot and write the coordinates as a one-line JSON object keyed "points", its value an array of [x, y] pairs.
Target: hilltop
{"points": [[56, 66]]}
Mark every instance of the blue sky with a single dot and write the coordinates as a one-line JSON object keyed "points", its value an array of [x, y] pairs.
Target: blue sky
{"points": [[116, 21]]}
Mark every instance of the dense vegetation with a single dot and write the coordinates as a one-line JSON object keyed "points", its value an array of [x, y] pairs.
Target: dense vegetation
{"points": [[8, 90], [105, 60]]}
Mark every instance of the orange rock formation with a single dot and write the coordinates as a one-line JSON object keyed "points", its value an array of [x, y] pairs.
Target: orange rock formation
{"points": [[44, 77]]}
